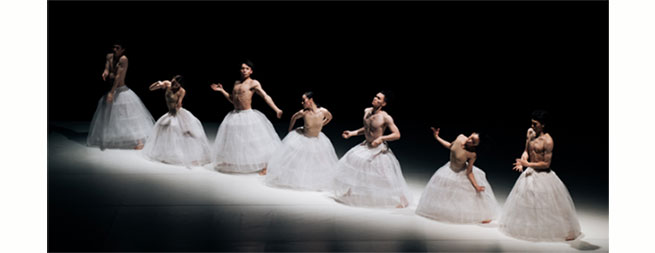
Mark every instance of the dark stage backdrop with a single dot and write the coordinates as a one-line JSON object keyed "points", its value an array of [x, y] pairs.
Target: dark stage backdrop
{"points": [[461, 66]]}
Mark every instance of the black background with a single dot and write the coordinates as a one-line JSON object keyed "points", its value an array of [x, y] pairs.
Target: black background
{"points": [[461, 66]]}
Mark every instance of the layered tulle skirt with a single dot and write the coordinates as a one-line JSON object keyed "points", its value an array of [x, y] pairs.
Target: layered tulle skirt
{"points": [[304, 163], [121, 124], [539, 208], [245, 142], [450, 197], [178, 139], [370, 177]]}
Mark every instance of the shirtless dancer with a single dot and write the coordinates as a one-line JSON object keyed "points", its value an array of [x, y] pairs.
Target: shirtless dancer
{"points": [[246, 138], [121, 120], [539, 207], [178, 137], [462, 154], [369, 174], [459, 192], [307, 159], [314, 117]]}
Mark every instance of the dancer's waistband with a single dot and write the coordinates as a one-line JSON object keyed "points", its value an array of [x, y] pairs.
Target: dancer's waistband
{"points": [[122, 88], [540, 170], [242, 110]]}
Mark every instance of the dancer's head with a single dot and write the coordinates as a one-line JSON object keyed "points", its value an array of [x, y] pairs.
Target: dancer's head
{"points": [[247, 68], [177, 81], [473, 140], [540, 119], [118, 48], [307, 99], [381, 99]]}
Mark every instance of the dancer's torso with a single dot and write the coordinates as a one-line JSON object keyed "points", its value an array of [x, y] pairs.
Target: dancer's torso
{"points": [[171, 100], [458, 155], [374, 125], [242, 95], [537, 149], [114, 65], [313, 122]]}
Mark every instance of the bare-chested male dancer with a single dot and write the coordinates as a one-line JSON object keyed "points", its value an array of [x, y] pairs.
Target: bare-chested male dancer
{"points": [[121, 120], [246, 138], [307, 159], [369, 174], [539, 207], [459, 192]]}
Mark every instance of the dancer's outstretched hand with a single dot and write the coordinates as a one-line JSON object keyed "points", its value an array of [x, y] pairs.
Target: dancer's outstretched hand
{"points": [[435, 131], [217, 86], [345, 134], [518, 166], [279, 114], [479, 188]]}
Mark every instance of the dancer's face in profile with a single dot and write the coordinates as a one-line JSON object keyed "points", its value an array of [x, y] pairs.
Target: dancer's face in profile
{"points": [[473, 140], [378, 100], [305, 102], [246, 71], [537, 126]]}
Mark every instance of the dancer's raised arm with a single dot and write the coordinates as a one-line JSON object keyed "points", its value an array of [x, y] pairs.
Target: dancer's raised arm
{"points": [[219, 87], [443, 142], [159, 85]]}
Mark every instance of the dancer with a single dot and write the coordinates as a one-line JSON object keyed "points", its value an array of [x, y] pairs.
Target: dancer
{"points": [[306, 160], [459, 192], [246, 139], [539, 207], [369, 174], [178, 137], [121, 120]]}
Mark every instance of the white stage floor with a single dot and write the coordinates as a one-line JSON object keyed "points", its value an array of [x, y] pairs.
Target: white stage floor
{"points": [[115, 200]]}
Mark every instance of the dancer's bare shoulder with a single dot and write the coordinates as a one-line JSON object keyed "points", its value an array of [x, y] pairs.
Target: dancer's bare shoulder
{"points": [[254, 84]]}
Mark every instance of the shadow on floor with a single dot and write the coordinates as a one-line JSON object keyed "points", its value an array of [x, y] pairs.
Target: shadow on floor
{"points": [[78, 137], [582, 245]]}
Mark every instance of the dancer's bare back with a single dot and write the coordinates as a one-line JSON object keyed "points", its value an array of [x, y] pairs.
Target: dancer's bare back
{"points": [[314, 121], [458, 155], [174, 99]]}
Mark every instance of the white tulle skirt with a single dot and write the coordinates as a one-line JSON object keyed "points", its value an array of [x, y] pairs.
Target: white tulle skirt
{"points": [[304, 163], [450, 197], [178, 139], [120, 124], [370, 177], [245, 142], [539, 208]]}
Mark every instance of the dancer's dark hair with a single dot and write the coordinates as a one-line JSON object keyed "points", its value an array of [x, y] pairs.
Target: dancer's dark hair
{"points": [[248, 62], [542, 116]]}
